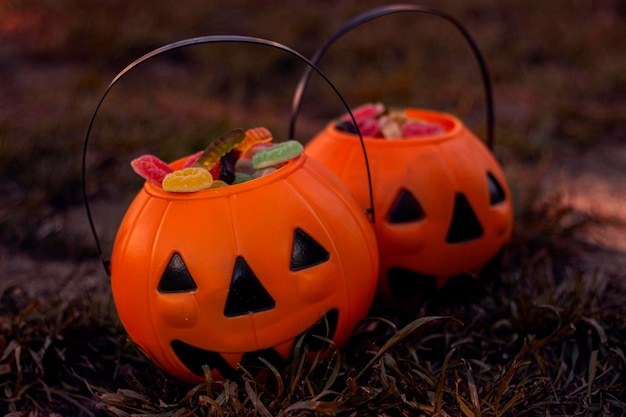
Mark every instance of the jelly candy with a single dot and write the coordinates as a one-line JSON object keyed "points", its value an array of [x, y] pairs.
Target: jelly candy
{"points": [[253, 137], [241, 177], [219, 184], [390, 128], [220, 147], [227, 166], [192, 159], [370, 128], [417, 129], [151, 168], [264, 171], [365, 111], [277, 154], [187, 180]]}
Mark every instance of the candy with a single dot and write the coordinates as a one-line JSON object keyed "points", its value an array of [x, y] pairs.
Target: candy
{"points": [[227, 166], [220, 147], [374, 120], [365, 111], [187, 180], [370, 128], [390, 128], [277, 154], [241, 177], [219, 184], [253, 137], [192, 159], [417, 129], [151, 168]]}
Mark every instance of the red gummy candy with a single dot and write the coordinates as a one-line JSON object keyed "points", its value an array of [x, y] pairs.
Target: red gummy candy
{"points": [[151, 168], [192, 159], [364, 112], [369, 128], [419, 129]]}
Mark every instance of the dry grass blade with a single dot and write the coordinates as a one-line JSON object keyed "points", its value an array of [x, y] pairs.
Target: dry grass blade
{"points": [[442, 382], [259, 407], [398, 337]]}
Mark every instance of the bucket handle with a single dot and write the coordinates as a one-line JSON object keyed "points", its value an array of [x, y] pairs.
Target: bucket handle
{"points": [[196, 41], [387, 10]]}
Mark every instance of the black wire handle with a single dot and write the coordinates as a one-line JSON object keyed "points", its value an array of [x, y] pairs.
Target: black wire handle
{"points": [[383, 11], [196, 41]]}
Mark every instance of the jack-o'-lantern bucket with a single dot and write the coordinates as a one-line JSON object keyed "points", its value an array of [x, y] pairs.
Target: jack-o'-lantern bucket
{"points": [[230, 277], [444, 207]]}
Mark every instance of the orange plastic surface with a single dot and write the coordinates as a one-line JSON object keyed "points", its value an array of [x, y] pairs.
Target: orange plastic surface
{"points": [[434, 170], [211, 230]]}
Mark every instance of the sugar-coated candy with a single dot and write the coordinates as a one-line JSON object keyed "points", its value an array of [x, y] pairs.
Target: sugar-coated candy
{"points": [[241, 177], [370, 128], [151, 168], [220, 147], [264, 171], [365, 111], [390, 127], [419, 129], [254, 136], [219, 184], [277, 154], [192, 159], [188, 180]]}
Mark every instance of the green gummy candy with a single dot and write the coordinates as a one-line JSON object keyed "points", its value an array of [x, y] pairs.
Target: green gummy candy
{"points": [[279, 153], [241, 177]]}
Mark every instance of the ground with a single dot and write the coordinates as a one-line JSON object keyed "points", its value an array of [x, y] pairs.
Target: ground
{"points": [[559, 83]]}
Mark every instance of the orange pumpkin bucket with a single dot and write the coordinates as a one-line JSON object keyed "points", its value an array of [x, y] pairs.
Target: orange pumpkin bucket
{"points": [[443, 203], [234, 276]]}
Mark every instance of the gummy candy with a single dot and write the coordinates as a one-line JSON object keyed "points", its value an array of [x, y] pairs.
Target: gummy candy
{"points": [[188, 180], [235, 157], [417, 129], [151, 168], [277, 154], [370, 128], [365, 111], [227, 166], [220, 147], [241, 177], [374, 120], [219, 184], [390, 128], [253, 137], [192, 159]]}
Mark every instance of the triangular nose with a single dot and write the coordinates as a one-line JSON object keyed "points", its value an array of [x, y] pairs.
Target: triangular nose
{"points": [[246, 294], [464, 226]]}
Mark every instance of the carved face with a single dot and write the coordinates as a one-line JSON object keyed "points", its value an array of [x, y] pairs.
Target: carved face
{"points": [[443, 206], [222, 277]]}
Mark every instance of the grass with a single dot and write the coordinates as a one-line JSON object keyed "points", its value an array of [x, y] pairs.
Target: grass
{"points": [[538, 340], [546, 336]]}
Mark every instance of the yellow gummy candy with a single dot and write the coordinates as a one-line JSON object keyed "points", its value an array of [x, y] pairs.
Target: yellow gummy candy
{"points": [[187, 180]]}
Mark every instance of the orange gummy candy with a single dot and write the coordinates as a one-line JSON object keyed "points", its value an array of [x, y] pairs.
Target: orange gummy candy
{"points": [[187, 180]]}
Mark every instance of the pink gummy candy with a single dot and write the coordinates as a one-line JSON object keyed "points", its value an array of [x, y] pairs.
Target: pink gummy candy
{"points": [[418, 129], [192, 159], [365, 111], [369, 128], [151, 168]]}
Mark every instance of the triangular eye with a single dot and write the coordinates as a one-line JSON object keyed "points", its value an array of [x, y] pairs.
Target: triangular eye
{"points": [[406, 209], [306, 252], [496, 192], [176, 277], [246, 294], [464, 226]]}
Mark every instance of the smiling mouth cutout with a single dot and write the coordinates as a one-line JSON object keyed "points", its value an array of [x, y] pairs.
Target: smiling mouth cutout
{"points": [[194, 357]]}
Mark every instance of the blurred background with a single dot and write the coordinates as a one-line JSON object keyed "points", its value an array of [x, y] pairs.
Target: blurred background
{"points": [[559, 80]]}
